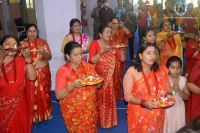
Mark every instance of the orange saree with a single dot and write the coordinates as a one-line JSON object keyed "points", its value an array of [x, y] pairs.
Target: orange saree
{"points": [[78, 108], [119, 38], [106, 96], [143, 120], [172, 46], [14, 104], [42, 109]]}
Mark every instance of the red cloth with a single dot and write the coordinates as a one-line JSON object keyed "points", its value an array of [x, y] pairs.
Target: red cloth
{"points": [[106, 96], [14, 109], [193, 65], [120, 38], [143, 19]]}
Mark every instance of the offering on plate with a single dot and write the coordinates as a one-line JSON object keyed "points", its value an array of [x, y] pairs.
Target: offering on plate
{"points": [[91, 80], [120, 46], [164, 102]]}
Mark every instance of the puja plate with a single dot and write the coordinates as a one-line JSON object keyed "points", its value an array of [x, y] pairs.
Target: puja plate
{"points": [[120, 46], [22, 47], [91, 80], [164, 102]]}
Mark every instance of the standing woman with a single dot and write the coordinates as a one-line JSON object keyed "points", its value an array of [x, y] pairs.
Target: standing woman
{"points": [[193, 74], [120, 35], [76, 35], [143, 82], [104, 56], [149, 37], [40, 54], [14, 72], [169, 42], [77, 102]]}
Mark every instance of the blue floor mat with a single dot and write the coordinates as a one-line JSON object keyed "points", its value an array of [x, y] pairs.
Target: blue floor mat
{"points": [[56, 124]]}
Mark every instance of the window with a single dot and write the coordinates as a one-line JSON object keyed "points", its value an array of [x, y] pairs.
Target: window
{"points": [[29, 4]]}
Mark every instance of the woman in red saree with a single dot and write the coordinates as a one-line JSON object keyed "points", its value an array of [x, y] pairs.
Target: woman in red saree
{"points": [[169, 43], [142, 83], [120, 35], [15, 114], [40, 54], [192, 72], [105, 57], [77, 102]]}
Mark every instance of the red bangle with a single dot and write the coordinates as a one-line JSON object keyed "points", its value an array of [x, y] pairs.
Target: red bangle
{"points": [[142, 103]]}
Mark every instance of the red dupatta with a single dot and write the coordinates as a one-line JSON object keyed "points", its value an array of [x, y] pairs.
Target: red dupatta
{"points": [[106, 96], [13, 100]]}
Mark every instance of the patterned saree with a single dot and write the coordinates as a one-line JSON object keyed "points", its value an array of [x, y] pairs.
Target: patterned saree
{"points": [[143, 120], [106, 95], [15, 112], [42, 109], [78, 108]]}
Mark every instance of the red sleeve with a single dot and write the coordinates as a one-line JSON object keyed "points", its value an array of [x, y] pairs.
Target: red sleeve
{"points": [[61, 78], [189, 49], [94, 49], [188, 53], [129, 35]]}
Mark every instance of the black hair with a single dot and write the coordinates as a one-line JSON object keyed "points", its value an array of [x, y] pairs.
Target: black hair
{"points": [[70, 46], [147, 31], [173, 59], [162, 23], [74, 20], [192, 127], [137, 62], [101, 29], [6, 37], [117, 18], [31, 25]]}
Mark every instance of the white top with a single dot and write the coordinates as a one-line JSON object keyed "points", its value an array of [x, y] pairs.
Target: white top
{"points": [[175, 115]]}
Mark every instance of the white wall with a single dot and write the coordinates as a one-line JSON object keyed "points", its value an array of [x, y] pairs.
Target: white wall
{"points": [[53, 17]]}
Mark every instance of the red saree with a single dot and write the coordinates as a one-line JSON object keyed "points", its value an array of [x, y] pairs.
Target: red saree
{"points": [[78, 108], [14, 99], [193, 65], [106, 96], [118, 39], [42, 109], [143, 120]]}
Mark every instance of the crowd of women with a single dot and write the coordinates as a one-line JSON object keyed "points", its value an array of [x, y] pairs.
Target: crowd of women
{"points": [[25, 80]]}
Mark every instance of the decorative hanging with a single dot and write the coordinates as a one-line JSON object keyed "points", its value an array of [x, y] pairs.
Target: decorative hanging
{"points": [[180, 7]]}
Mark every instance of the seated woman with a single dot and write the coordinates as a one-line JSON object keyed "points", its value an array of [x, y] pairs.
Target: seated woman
{"points": [[76, 35], [169, 42], [142, 83], [193, 74], [15, 112], [77, 102]]}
